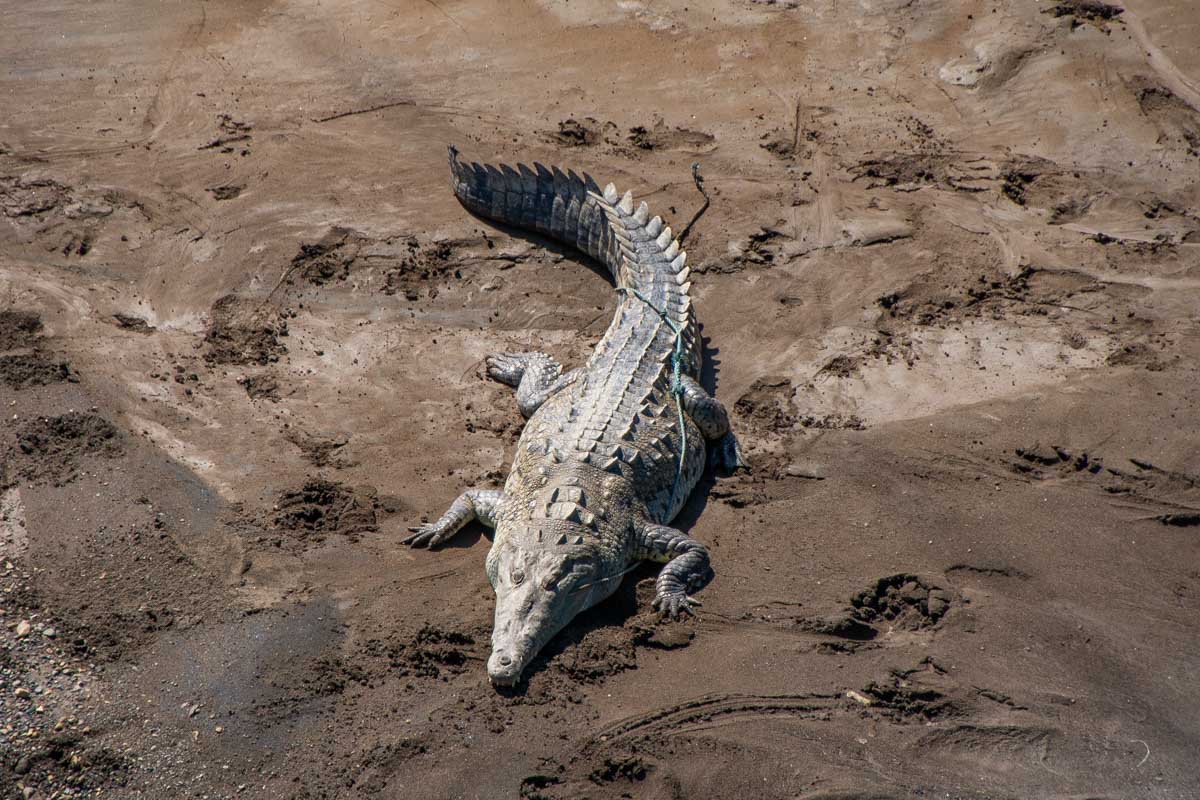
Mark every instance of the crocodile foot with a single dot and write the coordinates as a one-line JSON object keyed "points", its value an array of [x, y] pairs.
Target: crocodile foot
{"points": [[674, 605]]}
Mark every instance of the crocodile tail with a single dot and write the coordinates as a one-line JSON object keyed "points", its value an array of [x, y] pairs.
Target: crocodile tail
{"points": [[639, 251]]}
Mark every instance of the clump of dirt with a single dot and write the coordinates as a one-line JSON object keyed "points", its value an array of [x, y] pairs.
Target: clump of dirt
{"points": [[417, 267], [244, 331], [48, 449], [331, 675], [768, 404], [64, 759], [908, 172], [851, 422], [261, 387], [320, 451], [330, 258], [630, 769], [19, 329], [906, 702], [1086, 11], [1173, 117], [321, 507], [232, 132], [662, 137], [31, 198], [1136, 354], [19, 371], [432, 652], [227, 192], [131, 323], [580, 133], [903, 602]]}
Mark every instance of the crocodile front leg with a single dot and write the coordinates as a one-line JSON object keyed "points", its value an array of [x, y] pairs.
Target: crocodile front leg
{"points": [[480, 504], [535, 375], [712, 419], [687, 566]]}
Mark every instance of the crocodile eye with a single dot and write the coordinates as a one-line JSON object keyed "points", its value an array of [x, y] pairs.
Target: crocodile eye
{"points": [[518, 576]]}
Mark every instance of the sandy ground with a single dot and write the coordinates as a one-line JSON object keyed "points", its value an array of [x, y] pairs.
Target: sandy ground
{"points": [[949, 282]]}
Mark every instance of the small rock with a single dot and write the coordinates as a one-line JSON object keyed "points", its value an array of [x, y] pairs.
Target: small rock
{"points": [[23, 628], [49, 633], [22, 765], [21, 692]]}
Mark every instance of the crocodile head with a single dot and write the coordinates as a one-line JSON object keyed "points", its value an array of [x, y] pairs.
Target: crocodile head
{"points": [[538, 591]]}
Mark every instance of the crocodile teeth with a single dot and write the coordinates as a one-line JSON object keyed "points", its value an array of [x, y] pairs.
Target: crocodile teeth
{"points": [[610, 193], [642, 214], [654, 226], [664, 238], [682, 275], [626, 204], [672, 249], [679, 261], [684, 287], [562, 539], [578, 540]]}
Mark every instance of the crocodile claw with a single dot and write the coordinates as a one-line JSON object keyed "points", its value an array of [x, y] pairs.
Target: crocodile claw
{"points": [[675, 605], [424, 536]]}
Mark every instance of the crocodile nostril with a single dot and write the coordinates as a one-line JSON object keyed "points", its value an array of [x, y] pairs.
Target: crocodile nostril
{"points": [[505, 660]]}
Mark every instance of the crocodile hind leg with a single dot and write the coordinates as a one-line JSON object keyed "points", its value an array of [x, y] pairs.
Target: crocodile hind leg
{"points": [[712, 419], [686, 569], [480, 504], [535, 375]]}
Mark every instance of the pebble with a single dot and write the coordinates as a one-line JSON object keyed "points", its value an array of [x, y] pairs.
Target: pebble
{"points": [[21, 692], [49, 633], [23, 628]]}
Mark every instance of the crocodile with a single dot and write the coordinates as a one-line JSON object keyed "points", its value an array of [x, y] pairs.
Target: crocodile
{"points": [[611, 450]]}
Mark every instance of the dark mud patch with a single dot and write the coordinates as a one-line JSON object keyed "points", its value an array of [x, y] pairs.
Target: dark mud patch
{"points": [[660, 136], [1086, 11], [19, 329], [226, 192], [908, 172], [320, 451], [328, 259], [989, 570], [132, 323], [20, 197], [433, 652], [1136, 354], [244, 331], [906, 702], [49, 449], [768, 404], [381, 761], [65, 760], [234, 135], [321, 507], [21, 371], [261, 387], [584, 132], [1174, 118]]}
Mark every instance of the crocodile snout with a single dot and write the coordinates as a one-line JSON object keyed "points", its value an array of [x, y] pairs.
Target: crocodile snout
{"points": [[503, 669]]}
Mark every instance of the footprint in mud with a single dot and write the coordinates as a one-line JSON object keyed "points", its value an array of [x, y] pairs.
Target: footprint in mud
{"points": [[897, 603]]}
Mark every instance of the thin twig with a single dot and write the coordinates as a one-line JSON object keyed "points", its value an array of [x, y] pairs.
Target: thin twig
{"points": [[699, 180]]}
